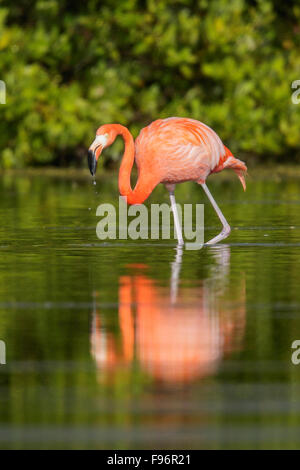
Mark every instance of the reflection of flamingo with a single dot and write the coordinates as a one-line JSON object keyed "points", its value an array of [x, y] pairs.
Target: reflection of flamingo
{"points": [[168, 151], [177, 334]]}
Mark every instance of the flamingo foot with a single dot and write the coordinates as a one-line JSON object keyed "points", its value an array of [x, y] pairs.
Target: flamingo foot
{"points": [[224, 234]]}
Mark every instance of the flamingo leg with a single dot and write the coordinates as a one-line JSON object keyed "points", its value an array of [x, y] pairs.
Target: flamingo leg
{"points": [[176, 218], [226, 227]]}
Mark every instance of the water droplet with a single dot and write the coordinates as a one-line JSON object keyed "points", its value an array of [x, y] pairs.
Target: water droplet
{"points": [[94, 182]]}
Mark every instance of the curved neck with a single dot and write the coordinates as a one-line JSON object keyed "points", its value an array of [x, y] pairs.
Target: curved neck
{"points": [[127, 161], [144, 184]]}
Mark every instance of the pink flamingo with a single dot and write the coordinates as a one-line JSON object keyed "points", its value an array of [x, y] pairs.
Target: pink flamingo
{"points": [[169, 151]]}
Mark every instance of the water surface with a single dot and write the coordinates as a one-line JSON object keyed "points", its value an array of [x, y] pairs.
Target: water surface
{"points": [[137, 344]]}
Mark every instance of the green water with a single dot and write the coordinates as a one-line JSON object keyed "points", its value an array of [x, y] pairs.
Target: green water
{"points": [[132, 344]]}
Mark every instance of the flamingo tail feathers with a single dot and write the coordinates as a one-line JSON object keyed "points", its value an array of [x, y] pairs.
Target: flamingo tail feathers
{"points": [[238, 167]]}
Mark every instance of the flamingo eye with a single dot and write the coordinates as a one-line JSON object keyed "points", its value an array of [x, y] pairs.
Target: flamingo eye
{"points": [[102, 139]]}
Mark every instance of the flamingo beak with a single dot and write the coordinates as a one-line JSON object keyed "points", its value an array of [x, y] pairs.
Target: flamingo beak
{"points": [[93, 155], [92, 162]]}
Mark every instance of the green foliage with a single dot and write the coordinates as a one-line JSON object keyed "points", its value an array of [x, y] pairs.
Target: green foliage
{"points": [[71, 66]]}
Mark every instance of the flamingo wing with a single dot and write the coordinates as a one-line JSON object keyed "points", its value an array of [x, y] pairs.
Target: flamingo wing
{"points": [[180, 149]]}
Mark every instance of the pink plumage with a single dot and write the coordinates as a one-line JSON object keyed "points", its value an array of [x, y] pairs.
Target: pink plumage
{"points": [[169, 151], [181, 149]]}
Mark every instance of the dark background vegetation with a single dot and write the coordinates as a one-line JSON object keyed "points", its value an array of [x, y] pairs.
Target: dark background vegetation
{"points": [[71, 66]]}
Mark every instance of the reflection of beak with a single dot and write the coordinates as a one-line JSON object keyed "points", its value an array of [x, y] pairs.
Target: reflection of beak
{"points": [[92, 162]]}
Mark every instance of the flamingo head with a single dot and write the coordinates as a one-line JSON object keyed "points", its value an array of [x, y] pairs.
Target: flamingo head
{"points": [[105, 136]]}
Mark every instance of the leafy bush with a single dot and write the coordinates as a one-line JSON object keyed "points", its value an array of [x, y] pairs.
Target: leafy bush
{"points": [[71, 66]]}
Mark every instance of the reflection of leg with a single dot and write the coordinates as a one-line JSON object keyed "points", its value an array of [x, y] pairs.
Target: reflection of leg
{"points": [[176, 218], [219, 270], [226, 228], [221, 255], [214, 286], [175, 266]]}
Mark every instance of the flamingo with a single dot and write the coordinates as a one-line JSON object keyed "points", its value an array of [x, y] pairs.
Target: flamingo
{"points": [[169, 151]]}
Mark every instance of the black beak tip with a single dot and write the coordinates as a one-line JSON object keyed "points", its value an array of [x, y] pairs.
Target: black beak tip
{"points": [[92, 162]]}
